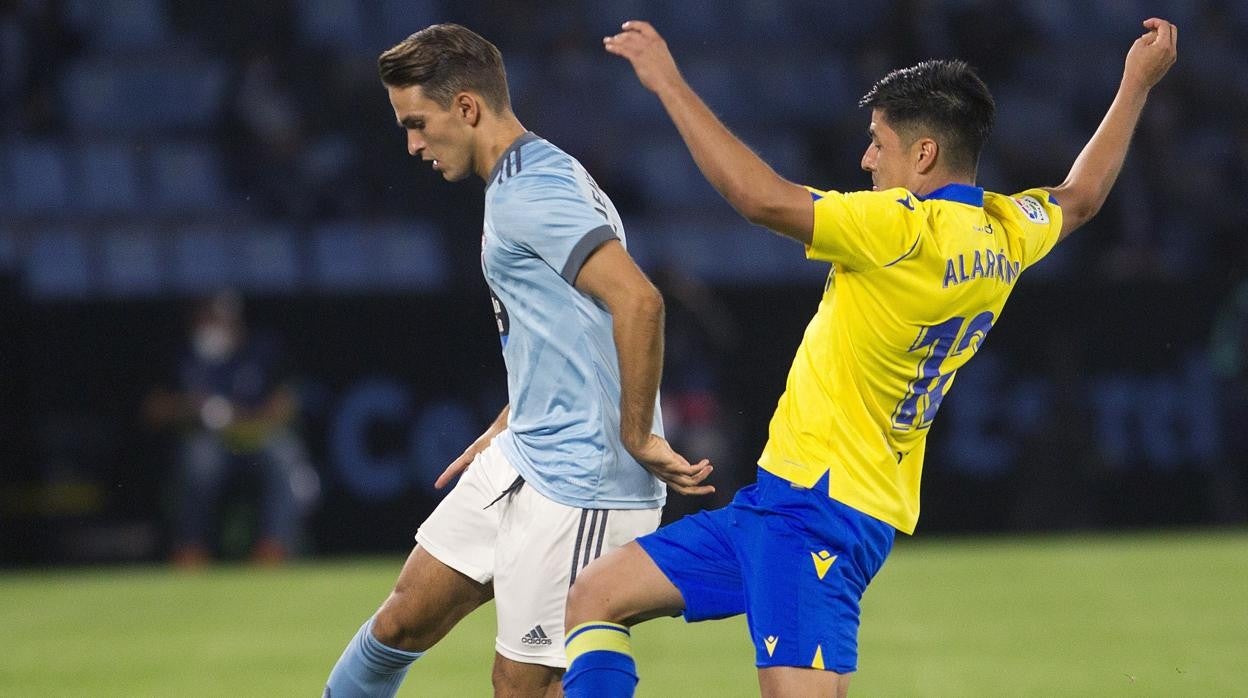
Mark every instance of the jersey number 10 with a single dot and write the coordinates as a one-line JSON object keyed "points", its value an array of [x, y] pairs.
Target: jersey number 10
{"points": [[935, 343]]}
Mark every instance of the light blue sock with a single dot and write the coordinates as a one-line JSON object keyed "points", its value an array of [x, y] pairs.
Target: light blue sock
{"points": [[368, 668]]}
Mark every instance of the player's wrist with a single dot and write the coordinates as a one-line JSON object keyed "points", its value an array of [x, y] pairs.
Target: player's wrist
{"points": [[634, 441]]}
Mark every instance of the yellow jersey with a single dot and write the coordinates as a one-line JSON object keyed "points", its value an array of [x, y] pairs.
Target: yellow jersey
{"points": [[915, 286]]}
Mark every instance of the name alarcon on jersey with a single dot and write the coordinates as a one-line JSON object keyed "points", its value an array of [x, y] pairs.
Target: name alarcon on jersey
{"points": [[983, 265]]}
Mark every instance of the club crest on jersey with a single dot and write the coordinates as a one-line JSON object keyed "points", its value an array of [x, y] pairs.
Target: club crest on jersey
{"points": [[1032, 208]]}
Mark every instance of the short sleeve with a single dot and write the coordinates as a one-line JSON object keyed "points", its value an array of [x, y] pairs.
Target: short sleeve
{"points": [[1040, 216], [556, 218], [864, 230]]}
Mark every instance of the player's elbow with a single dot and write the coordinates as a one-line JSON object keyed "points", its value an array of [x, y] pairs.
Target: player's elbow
{"points": [[650, 302], [642, 301], [1078, 205], [757, 212], [1080, 212], [759, 207]]}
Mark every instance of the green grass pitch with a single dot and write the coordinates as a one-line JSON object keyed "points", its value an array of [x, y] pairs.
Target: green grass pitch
{"points": [[1129, 615]]}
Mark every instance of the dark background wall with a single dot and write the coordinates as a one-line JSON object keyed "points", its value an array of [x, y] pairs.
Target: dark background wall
{"points": [[153, 152]]}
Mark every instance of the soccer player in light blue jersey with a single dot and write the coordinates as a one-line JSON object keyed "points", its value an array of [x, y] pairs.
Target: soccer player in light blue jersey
{"points": [[576, 464]]}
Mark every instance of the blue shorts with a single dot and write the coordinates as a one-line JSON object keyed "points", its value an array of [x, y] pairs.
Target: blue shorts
{"points": [[795, 561]]}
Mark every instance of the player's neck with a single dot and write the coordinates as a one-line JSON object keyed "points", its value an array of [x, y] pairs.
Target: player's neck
{"points": [[498, 135], [926, 184]]}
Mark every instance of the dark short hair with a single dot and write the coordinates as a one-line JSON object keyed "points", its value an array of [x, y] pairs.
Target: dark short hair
{"points": [[444, 60], [945, 98]]}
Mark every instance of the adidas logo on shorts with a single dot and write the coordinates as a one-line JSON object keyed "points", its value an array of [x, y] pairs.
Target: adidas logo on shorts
{"points": [[536, 636]]}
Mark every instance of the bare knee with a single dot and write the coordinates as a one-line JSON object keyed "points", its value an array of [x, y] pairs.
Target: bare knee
{"points": [[408, 621], [589, 599], [395, 625], [428, 600]]}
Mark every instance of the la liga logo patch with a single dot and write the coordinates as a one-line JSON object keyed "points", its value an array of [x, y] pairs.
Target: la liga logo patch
{"points": [[1032, 208]]}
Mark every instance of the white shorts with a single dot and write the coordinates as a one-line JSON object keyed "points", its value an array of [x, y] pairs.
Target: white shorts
{"points": [[529, 546]]}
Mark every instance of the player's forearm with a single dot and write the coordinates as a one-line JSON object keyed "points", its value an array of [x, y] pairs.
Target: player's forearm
{"points": [[499, 424], [1096, 169], [736, 172], [638, 332]]}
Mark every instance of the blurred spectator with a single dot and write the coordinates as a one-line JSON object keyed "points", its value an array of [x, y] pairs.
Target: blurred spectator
{"points": [[236, 416], [700, 339]]}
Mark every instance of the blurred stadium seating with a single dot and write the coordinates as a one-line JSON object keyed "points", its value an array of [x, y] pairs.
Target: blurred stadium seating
{"points": [[152, 151]]}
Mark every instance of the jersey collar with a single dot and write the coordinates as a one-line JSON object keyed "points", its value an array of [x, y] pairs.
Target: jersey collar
{"points": [[961, 193], [526, 137]]}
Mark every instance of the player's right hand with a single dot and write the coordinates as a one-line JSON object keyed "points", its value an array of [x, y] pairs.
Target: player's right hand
{"points": [[657, 456], [647, 51], [1151, 55]]}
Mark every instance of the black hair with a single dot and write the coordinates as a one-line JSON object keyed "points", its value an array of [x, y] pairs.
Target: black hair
{"points": [[943, 97]]}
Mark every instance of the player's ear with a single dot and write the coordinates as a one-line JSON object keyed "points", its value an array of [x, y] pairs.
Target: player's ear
{"points": [[468, 107], [925, 152]]}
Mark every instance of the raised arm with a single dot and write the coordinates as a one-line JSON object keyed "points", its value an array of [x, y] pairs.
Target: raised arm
{"points": [[1095, 170], [749, 184], [636, 306]]}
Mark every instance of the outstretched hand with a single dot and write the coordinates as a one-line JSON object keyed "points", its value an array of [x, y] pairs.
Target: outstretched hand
{"points": [[1152, 54], [657, 456], [647, 51]]}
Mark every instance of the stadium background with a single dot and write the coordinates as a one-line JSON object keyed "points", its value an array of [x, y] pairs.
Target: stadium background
{"points": [[154, 152]]}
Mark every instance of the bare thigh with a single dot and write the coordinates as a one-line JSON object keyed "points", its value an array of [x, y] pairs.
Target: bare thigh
{"points": [[623, 586], [514, 679], [798, 682], [429, 598]]}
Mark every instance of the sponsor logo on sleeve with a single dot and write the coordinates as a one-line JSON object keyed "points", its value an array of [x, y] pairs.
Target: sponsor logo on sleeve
{"points": [[1032, 208]]}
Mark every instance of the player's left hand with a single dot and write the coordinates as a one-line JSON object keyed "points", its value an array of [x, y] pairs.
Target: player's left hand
{"points": [[647, 51], [465, 459], [657, 456]]}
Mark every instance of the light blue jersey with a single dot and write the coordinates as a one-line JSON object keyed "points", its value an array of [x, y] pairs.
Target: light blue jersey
{"points": [[544, 216]]}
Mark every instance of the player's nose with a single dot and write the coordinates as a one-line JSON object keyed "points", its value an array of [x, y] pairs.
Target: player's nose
{"points": [[414, 144], [868, 162]]}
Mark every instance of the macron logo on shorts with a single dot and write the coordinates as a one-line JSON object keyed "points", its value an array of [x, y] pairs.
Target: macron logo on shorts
{"points": [[536, 636]]}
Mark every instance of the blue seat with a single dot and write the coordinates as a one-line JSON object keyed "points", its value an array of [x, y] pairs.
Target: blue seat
{"points": [[108, 181], [331, 23], [38, 177], [204, 260], [187, 177], [668, 178], [410, 256], [341, 258], [266, 259], [726, 249], [352, 255], [136, 97], [390, 21], [119, 24], [131, 262], [58, 265]]}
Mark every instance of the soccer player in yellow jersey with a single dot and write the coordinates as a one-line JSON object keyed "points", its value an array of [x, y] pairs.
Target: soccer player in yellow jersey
{"points": [[921, 267]]}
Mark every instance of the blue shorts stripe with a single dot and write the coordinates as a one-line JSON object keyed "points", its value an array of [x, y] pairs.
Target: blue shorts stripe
{"points": [[596, 626]]}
